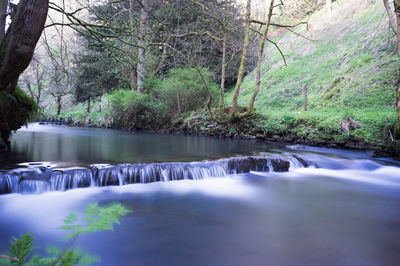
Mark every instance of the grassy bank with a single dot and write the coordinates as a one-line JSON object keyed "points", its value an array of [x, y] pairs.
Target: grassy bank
{"points": [[348, 65]]}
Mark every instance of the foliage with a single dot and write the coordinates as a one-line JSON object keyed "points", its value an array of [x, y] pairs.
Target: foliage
{"points": [[199, 48], [20, 248], [131, 109], [98, 218], [368, 127], [96, 72], [324, 126], [183, 90]]}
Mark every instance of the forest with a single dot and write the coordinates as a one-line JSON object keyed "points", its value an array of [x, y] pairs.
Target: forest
{"points": [[312, 72], [199, 132]]}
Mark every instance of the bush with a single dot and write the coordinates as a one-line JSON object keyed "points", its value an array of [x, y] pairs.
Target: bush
{"points": [[183, 90], [131, 109]]}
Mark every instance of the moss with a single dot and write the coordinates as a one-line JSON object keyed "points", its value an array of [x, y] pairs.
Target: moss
{"points": [[16, 108]]}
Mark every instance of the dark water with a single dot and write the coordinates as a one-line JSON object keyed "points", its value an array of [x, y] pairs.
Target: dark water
{"points": [[89, 145], [347, 212]]}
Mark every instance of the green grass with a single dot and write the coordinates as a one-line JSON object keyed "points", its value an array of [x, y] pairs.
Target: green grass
{"points": [[324, 125], [354, 69], [349, 71]]}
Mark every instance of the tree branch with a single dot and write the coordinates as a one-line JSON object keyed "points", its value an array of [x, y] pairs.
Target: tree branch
{"points": [[9, 258]]}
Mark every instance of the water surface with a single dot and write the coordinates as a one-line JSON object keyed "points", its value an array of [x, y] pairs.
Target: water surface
{"points": [[74, 145], [346, 212]]}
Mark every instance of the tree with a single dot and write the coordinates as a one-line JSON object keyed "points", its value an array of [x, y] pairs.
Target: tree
{"points": [[95, 74], [133, 66], [394, 23], [329, 7], [3, 16], [227, 26], [235, 114], [16, 50], [60, 71], [34, 79], [234, 108], [176, 34], [141, 65]]}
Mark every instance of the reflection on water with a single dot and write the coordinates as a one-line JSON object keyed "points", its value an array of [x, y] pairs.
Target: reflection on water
{"points": [[89, 145]]}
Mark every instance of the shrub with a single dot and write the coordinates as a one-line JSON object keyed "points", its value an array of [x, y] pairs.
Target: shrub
{"points": [[183, 90], [131, 109]]}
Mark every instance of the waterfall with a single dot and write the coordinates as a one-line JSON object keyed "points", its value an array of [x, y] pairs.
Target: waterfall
{"points": [[8, 182], [42, 179]]}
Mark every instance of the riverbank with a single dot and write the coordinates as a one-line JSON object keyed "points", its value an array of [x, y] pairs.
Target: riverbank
{"points": [[367, 130], [307, 128]]}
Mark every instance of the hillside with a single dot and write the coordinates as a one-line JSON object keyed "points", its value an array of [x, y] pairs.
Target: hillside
{"points": [[349, 67], [348, 64]]}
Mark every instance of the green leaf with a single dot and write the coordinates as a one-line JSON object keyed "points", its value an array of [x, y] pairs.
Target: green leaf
{"points": [[21, 248], [71, 218]]}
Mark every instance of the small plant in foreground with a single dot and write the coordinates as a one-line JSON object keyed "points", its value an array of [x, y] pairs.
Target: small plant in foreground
{"points": [[98, 218]]}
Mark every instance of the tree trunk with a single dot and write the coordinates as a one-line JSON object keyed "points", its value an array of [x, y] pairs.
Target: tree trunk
{"points": [[16, 51], [177, 89], [88, 106], [142, 46], [305, 98], [3, 13], [59, 103], [329, 7], [39, 94], [30, 89], [133, 78], [223, 65], [242, 61], [133, 74], [260, 59], [397, 14], [390, 14], [19, 42]]}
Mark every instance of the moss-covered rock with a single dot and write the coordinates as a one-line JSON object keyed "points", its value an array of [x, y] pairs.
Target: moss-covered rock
{"points": [[15, 110]]}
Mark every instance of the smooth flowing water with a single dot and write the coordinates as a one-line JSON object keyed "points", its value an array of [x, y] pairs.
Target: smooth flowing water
{"points": [[328, 207]]}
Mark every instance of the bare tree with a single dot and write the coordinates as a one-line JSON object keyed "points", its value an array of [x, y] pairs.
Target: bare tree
{"points": [[61, 79], [59, 87], [60, 68], [142, 46], [260, 58], [133, 72], [34, 77], [234, 110], [329, 7], [223, 18]]}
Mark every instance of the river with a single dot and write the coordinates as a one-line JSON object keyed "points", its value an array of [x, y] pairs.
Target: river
{"points": [[201, 200]]}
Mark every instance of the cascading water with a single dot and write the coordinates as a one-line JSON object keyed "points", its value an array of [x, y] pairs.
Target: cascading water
{"points": [[39, 179], [293, 205]]}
